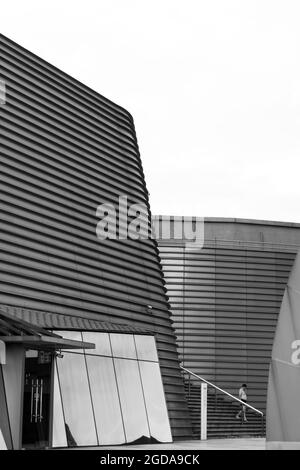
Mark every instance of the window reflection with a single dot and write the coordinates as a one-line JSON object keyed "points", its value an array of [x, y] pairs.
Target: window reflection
{"points": [[105, 400], [132, 401], [123, 345], [155, 401], [107, 395], [146, 347], [79, 421]]}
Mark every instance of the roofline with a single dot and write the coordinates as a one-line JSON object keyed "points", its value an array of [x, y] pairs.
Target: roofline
{"points": [[76, 80], [43, 321], [229, 220]]}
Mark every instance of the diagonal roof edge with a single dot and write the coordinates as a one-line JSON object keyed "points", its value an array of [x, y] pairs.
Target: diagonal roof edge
{"points": [[19, 326], [19, 331]]}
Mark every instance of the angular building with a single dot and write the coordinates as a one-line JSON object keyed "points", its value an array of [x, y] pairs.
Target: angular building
{"points": [[87, 345], [225, 299]]}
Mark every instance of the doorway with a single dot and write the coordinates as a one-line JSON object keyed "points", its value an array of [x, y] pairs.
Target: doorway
{"points": [[37, 399]]}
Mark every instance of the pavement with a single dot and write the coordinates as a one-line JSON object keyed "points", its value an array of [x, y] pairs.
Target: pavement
{"points": [[211, 444]]}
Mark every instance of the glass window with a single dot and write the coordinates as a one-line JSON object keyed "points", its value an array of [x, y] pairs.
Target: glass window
{"points": [[107, 396], [146, 347], [123, 346], [101, 341], [59, 438], [132, 400], [74, 335], [105, 400], [155, 401], [79, 420]]}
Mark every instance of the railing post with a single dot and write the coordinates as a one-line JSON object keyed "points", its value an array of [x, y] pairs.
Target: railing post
{"points": [[189, 385], [203, 417]]}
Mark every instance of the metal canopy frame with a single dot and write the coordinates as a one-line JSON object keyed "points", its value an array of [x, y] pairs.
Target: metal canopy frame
{"points": [[48, 342], [17, 331]]}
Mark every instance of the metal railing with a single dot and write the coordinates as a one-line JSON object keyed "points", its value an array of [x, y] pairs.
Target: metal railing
{"points": [[203, 416]]}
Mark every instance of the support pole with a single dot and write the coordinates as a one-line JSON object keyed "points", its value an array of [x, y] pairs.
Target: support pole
{"points": [[203, 424]]}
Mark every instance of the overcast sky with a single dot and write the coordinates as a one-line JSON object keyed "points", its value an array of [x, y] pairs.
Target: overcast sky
{"points": [[213, 86]]}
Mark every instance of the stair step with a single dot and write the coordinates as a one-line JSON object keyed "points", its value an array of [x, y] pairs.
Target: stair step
{"points": [[221, 416]]}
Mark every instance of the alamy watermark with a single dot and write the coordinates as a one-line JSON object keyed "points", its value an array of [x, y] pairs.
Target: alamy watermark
{"points": [[125, 221], [295, 357]]}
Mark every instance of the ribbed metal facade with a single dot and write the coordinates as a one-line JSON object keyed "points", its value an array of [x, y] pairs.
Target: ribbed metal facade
{"points": [[65, 149], [225, 299]]}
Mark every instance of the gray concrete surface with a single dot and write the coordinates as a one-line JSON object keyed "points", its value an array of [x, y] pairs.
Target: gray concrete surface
{"points": [[211, 444]]}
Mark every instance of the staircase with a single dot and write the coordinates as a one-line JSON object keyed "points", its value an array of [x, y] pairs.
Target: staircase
{"points": [[221, 414]]}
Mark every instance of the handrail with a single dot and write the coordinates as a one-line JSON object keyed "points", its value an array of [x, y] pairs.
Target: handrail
{"points": [[221, 390]]}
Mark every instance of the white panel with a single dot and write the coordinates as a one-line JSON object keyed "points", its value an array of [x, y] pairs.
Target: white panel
{"points": [[105, 400], [2, 442], [77, 405], [155, 401], [73, 335], [132, 401], [101, 341], [123, 345], [59, 438], [146, 347]]}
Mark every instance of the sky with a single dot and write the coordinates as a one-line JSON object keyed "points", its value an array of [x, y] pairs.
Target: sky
{"points": [[213, 86]]}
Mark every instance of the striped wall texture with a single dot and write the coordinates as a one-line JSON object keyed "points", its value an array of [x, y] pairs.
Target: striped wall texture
{"points": [[65, 149], [225, 299]]}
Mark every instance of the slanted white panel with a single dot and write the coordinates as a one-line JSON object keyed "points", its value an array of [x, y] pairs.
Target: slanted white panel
{"points": [[59, 438], [2, 442]]}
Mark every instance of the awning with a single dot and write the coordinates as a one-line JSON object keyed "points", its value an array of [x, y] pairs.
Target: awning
{"points": [[16, 331], [47, 342]]}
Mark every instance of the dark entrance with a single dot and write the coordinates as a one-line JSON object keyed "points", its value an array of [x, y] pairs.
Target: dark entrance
{"points": [[36, 408]]}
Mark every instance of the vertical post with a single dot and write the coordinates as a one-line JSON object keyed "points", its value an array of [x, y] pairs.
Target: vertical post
{"points": [[203, 424], [2, 352]]}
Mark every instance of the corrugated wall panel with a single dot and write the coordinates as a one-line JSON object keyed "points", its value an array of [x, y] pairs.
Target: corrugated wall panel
{"points": [[225, 301], [64, 150]]}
